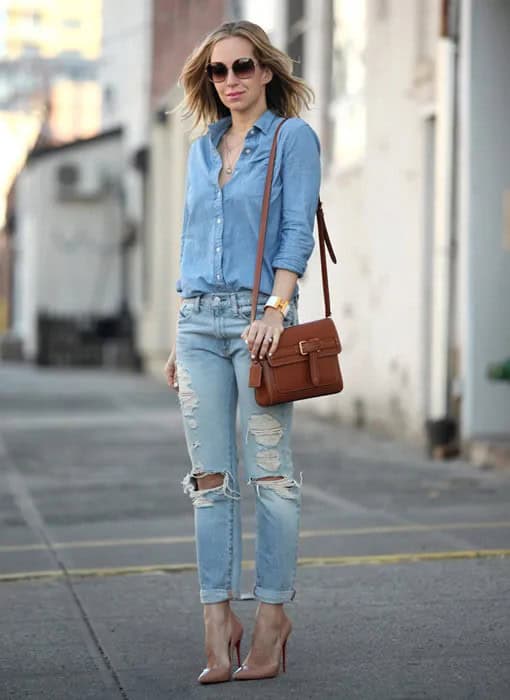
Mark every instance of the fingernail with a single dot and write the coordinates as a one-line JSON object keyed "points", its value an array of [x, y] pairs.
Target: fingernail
{"points": [[270, 354], [253, 357]]}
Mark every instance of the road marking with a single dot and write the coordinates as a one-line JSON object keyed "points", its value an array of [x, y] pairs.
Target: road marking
{"points": [[408, 557], [304, 534]]}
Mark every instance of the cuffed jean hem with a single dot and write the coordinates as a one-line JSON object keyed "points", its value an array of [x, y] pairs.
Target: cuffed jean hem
{"points": [[267, 596], [218, 595]]}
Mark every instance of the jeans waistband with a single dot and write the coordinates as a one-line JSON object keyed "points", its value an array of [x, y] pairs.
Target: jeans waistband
{"points": [[225, 299]]}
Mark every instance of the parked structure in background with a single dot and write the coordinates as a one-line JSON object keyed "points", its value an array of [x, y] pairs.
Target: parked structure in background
{"points": [[71, 262]]}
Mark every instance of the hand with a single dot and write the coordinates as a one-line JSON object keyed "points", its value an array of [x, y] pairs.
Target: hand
{"points": [[170, 371], [263, 335]]}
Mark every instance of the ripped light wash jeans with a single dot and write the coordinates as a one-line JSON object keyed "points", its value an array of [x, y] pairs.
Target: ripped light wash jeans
{"points": [[212, 369]]}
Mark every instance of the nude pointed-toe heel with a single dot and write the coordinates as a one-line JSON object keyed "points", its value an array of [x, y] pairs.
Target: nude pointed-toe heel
{"points": [[248, 672], [220, 674]]}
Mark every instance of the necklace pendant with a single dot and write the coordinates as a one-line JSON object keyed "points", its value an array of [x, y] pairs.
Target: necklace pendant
{"points": [[228, 170]]}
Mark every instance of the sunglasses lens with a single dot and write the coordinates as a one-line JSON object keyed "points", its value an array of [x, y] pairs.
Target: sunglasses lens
{"points": [[243, 67], [217, 72]]}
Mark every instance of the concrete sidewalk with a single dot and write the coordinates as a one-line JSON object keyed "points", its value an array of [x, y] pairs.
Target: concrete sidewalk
{"points": [[404, 563]]}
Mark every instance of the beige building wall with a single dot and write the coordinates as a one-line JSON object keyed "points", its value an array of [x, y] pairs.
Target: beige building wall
{"points": [[53, 26], [75, 109]]}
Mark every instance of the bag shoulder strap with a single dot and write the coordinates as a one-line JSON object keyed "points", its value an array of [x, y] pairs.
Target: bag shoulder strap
{"points": [[324, 239]]}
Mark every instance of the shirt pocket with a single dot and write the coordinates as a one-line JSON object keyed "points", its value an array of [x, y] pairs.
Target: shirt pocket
{"points": [[257, 177]]}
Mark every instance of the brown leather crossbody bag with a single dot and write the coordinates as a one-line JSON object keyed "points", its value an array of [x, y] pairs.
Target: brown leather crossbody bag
{"points": [[306, 362]]}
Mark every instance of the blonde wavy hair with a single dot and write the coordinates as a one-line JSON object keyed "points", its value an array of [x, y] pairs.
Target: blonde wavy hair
{"points": [[286, 94]]}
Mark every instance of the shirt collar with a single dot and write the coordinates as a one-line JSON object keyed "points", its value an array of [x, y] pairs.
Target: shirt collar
{"points": [[265, 121], [218, 128]]}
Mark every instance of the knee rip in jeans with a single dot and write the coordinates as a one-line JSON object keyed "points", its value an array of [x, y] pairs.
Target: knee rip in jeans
{"points": [[187, 397], [201, 498], [284, 486], [267, 432]]}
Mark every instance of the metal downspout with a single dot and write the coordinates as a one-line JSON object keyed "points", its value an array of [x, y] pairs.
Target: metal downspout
{"points": [[441, 425]]}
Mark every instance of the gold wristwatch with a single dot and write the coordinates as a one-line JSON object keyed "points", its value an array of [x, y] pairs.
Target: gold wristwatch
{"points": [[278, 303]]}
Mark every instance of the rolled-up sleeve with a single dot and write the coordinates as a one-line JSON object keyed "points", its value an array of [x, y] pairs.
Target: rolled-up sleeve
{"points": [[301, 176]]}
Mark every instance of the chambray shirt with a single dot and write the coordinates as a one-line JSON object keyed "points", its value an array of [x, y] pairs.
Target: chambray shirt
{"points": [[221, 225]]}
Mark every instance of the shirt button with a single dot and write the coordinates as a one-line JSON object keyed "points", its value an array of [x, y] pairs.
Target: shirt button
{"points": [[247, 150], [252, 131], [218, 249], [218, 277], [218, 220]]}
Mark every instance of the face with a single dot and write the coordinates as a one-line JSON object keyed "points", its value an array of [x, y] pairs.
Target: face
{"points": [[247, 89]]}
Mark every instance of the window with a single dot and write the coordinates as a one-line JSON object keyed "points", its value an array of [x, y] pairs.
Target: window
{"points": [[348, 100]]}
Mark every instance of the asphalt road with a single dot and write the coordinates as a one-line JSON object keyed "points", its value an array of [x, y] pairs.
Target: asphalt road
{"points": [[403, 583]]}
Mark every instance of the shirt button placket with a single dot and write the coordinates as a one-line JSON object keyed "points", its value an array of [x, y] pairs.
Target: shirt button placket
{"points": [[218, 238]]}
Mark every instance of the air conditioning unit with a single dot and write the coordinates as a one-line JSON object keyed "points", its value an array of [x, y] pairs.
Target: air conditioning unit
{"points": [[78, 182]]}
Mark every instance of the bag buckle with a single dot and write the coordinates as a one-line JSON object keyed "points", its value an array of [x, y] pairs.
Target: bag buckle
{"points": [[314, 345]]}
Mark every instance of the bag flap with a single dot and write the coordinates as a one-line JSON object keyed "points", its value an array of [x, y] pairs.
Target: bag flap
{"points": [[322, 333], [291, 355]]}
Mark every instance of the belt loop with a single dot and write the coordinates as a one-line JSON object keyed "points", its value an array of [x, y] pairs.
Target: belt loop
{"points": [[197, 303]]}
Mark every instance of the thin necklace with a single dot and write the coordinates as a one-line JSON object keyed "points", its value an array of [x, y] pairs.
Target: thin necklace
{"points": [[229, 168]]}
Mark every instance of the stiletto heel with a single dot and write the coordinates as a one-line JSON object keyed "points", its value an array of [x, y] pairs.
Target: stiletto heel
{"points": [[238, 648], [284, 646]]}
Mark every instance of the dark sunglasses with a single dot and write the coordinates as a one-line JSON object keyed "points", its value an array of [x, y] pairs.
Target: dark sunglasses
{"points": [[242, 68]]}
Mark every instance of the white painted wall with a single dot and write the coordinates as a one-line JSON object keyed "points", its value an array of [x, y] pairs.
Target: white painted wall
{"points": [[484, 243], [67, 255], [375, 215], [125, 66]]}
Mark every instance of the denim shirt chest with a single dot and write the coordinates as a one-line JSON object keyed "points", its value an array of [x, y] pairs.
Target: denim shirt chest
{"points": [[221, 225]]}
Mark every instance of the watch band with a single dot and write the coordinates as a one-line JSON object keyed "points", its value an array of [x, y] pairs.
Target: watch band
{"points": [[278, 303]]}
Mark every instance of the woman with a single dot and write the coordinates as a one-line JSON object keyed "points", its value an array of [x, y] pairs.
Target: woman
{"points": [[241, 86]]}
